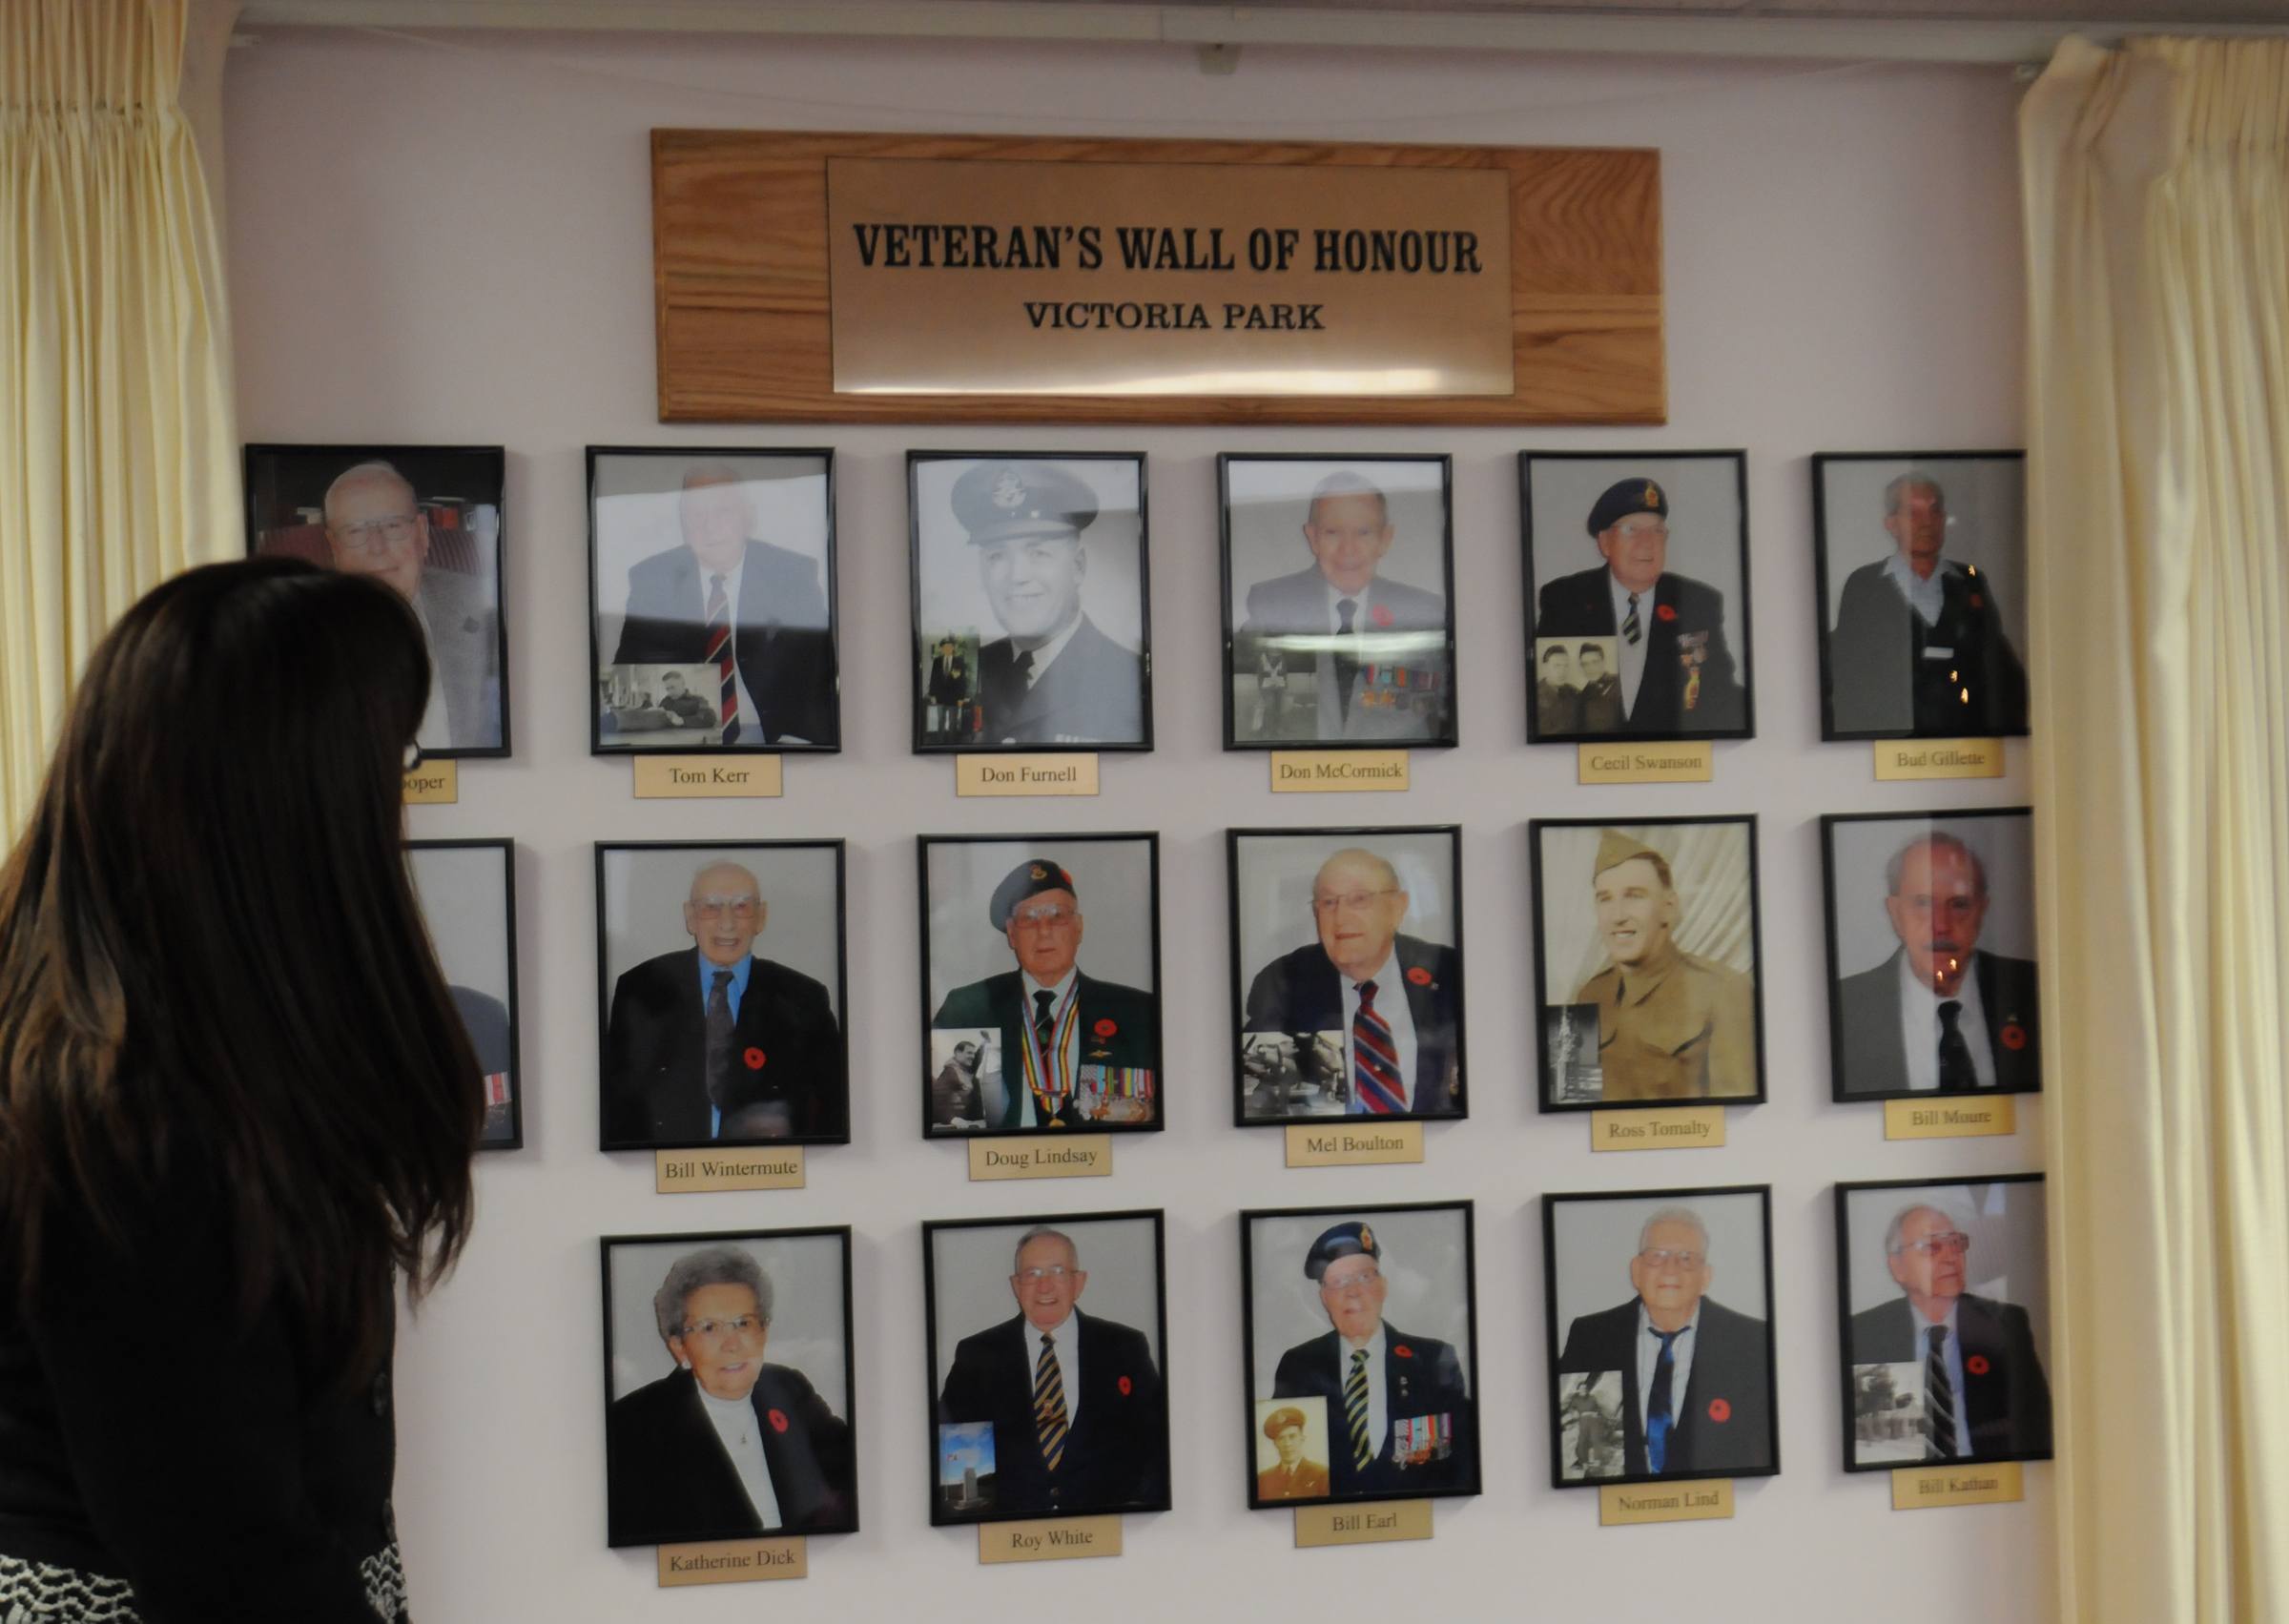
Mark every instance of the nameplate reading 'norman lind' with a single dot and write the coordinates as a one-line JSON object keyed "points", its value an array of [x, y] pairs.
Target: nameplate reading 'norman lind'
{"points": [[691, 778], [1073, 775], [1046, 1156], [1368, 1524], [1922, 1487], [735, 1561], [1951, 1117], [691, 1172], [1685, 1127], [433, 784], [1648, 763], [1938, 758], [1341, 1146], [1049, 1539], [1621, 1504], [1308, 772]]}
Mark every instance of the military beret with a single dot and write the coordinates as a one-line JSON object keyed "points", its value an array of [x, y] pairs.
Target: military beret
{"points": [[1343, 1240], [1009, 502], [1029, 878], [1280, 1420], [1626, 498], [1615, 848]]}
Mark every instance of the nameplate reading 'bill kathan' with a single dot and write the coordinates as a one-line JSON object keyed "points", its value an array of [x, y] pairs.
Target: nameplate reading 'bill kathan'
{"points": [[1338, 1145], [1050, 1539], [1368, 1524], [1648, 763], [691, 1172], [1314, 771], [1922, 1487], [1073, 774], [1683, 1127], [735, 1561], [1623, 1503], [1935, 1117], [695, 778], [1046, 1155], [1898, 760], [433, 784]]}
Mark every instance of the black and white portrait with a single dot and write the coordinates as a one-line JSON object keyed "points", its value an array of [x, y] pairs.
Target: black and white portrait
{"points": [[467, 890]]}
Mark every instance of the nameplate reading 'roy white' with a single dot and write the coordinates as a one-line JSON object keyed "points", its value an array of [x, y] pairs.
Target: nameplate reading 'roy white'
{"points": [[1683, 1127], [1898, 760], [1042, 1156], [1049, 1539], [433, 784], [696, 777], [1314, 1144], [1939, 1117], [1648, 763], [1623, 1503], [1922, 1487], [735, 1561], [689, 1172], [1069, 775], [1314, 771], [1368, 1524]]}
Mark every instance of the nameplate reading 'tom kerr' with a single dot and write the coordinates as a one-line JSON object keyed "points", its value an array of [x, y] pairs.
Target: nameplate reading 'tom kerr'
{"points": [[1938, 758], [1368, 1524], [688, 1172], [693, 777], [1312, 1145], [1050, 1539], [1074, 774], [1042, 1156], [1934, 1118], [1624, 1503], [1685, 1127], [1920, 1487], [735, 1561], [1648, 763], [1311, 772], [433, 784]]}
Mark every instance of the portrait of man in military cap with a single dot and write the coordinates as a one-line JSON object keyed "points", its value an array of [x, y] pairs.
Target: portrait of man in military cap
{"points": [[1032, 614], [1021, 1036], [1646, 934], [1648, 559]]}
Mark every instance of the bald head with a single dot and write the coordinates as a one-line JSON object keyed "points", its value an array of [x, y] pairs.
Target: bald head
{"points": [[1357, 903], [374, 526], [724, 913]]}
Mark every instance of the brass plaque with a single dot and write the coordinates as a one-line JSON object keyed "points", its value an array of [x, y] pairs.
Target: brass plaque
{"points": [[1648, 763], [1073, 774], [1046, 1155], [735, 1561], [1312, 772], [1344, 1145], [433, 784], [1920, 1487], [1950, 1117], [1049, 1539], [696, 777], [1899, 759], [1681, 1127], [1621, 1504], [1368, 1523], [688, 1172]]}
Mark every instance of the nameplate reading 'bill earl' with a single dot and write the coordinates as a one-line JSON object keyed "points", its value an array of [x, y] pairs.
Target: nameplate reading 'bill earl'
{"points": [[735, 1561], [1354, 1145], [1922, 1487], [1681, 1127], [1624, 1503], [1073, 774], [1049, 1539], [1648, 763], [1898, 760], [1371, 1523], [433, 784], [1313, 772], [694, 777], [691, 1172], [1950, 1117], [1042, 1156]]}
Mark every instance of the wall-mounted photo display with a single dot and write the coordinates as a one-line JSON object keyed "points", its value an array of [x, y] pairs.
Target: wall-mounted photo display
{"points": [[468, 896], [1031, 601], [1920, 558], [1931, 981], [1661, 1335], [427, 522], [1047, 1339], [1347, 973], [1944, 1298], [721, 992], [1362, 1352], [1338, 600], [711, 613], [729, 1377], [1646, 953], [1040, 983], [1636, 570]]}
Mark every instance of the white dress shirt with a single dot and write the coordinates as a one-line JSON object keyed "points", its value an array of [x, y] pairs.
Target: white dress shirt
{"points": [[1066, 1338], [1681, 1363], [735, 1420], [1064, 991], [1953, 1356], [1390, 1003], [1629, 658], [748, 713], [1378, 1401], [1920, 1027], [1927, 595]]}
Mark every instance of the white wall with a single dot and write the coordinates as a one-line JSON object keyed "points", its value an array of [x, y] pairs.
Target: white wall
{"points": [[450, 242]]}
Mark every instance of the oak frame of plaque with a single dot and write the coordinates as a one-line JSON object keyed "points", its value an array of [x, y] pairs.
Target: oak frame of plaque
{"points": [[505, 1121]]}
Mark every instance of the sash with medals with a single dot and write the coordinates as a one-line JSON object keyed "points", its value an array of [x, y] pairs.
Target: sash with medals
{"points": [[1049, 1078]]}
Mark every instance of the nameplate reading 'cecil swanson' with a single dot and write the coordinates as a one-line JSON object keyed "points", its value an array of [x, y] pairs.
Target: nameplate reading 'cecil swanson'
{"points": [[1648, 763], [1042, 1156], [1921, 1488], [1313, 772], [1051, 1539], [1621, 1504], [1899, 759], [1343, 1145], [1356, 1524], [1681, 1127], [694, 777], [1951, 1117], [693, 1172], [735, 1561], [433, 784], [1066, 775]]}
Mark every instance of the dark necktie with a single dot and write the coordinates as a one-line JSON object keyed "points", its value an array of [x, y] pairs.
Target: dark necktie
{"points": [[721, 656], [1022, 665], [1632, 627], [1955, 1068], [1347, 666], [718, 1030], [1659, 1407], [1045, 1037], [1376, 1089], [1939, 1399], [1049, 1404], [1355, 1409]]}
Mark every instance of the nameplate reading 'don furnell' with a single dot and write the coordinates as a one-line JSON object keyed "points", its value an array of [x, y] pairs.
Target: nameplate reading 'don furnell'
{"points": [[1049, 1539], [1922, 1487], [1025, 774], [1899, 759], [1950, 1117], [433, 784], [1685, 1127], [1648, 763], [694, 777], [1047, 1154], [691, 1172], [1313, 1146], [735, 1561], [1308, 771], [1368, 1524], [1623, 1503]]}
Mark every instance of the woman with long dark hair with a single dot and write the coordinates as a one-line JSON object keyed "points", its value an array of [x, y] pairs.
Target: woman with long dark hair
{"points": [[237, 1111]]}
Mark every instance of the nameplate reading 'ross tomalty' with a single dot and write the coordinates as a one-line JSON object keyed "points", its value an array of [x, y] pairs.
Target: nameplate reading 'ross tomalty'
{"points": [[691, 1172], [1046, 1155], [1899, 759], [1340, 1144], [1922, 1487], [1049, 1539], [696, 777], [1950, 1117], [1071, 774], [1312, 771], [1681, 1127], [1371, 1523], [433, 784], [735, 1561], [1619, 1504], [1648, 763]]}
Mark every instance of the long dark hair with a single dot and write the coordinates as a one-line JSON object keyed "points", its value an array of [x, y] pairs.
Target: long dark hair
{"points": [[213, 966]]}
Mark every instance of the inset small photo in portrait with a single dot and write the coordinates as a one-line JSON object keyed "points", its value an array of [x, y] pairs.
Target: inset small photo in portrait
{"points": [[721, 993], [1338, 600], [729, 1385], [1932, 974], [1031, 601], [1943, 1288], [1646, 961], [1661, 1335], [468, 896]]}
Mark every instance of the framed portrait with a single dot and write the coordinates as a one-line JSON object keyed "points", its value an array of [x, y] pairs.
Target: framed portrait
{"points": [[1338, 600], [1347, 973], [720, 993], [1031, 601], [1661, 1335], [1040, 983], [711, 605], [1361, 1334], [425, 521], [1932, 982], [730, 1386], [468, 896], [1646, 957], [1944, 1294], [1920, 558], [1048, 1345], [1637, 571]]}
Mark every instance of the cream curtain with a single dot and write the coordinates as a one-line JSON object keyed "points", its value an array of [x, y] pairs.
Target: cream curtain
{"points": [[2157, 198], [119, 453]]}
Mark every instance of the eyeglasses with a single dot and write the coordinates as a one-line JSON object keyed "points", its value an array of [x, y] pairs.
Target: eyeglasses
{"points": [[371, 535], [1954, 1242], [1644, 532], [745, 1326], [1662, 1257], [1045, 919], [1353, 1286], [1354, 901], [1045, 1271], [717, 906]]}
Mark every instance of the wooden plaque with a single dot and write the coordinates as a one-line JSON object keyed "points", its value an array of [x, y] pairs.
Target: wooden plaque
{"points": [[1354, 1142], [1619, 1505], [735, 1561], [700, 777], [1073, 775], [1951, 1116], [1050, 1539], [1042, 1156], [1676, 1127], [1319, 771], [434, 784], [1922, 1487], [1362, 1523]]}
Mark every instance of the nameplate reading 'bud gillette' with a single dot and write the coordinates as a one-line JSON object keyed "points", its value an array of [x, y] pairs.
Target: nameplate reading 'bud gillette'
{"points": [[433, 784], [1069, 775], [1368, 1524], [1935, 1117], [691, 1172], [1648, 763], [1938, 758], [1683, 1127], [735, 1561], [1049, 1539], [704, 777], [1922, 1487], [1623, 1503], [1335, 1144], [1046, 1155], [1316, 771]]}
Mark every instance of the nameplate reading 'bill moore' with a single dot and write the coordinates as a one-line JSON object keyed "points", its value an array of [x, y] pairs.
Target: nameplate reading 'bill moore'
{"points": [[693, 1172], [1648, 764], [1922, 1487], [1898, 760], [1345, 1145], [1951, 1117], [1619, 1504], [433, 784], [1683, 1127], [1370, 1523], [697, 777], [1042, 1156], [735, 1561], [1049, 1539], [1068, 774], [1314, 771]]}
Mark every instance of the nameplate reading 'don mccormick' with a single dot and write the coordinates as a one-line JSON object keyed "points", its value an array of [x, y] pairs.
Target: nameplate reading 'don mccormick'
{"points": [[1921, 1488], [1046, 1155], [691, 1172], [735, 1561], [1368, 1524], [1683, 1127], [1049, 1539], [694, 777], [1311, 1144], [1623, 1503], [1950, 1117], [1938, 758], [1073, 775], [1648, 763], [433, 784], [1308, 772]]}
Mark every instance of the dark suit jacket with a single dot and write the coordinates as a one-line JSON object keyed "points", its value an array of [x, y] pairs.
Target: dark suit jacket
{"points": [[1421, 1376], [780, 639], [1867, 1015], [1723, 1418], [1301, 993], [1405, 626], [1117, 1446], [1093, 692], [1296, 604], [1000, 1001], [1880, 681], [485, 1020], [1582, 606], [655, 1088], [669, 1479], [2008, 1402]]}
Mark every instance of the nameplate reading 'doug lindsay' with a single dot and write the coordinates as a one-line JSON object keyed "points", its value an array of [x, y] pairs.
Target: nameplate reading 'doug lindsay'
{"points": [[1899, 759], [1648, 763], [1049, 1539], [1922, 1487], [1042, 1156], [735, 1561], [1951, 1117], [1619, 1504], [1681, 1127], [1356, 1524], [433, 784], [1316, 771], [1068, 775], [693, 1172], [704, 777], [1332, 1144]]}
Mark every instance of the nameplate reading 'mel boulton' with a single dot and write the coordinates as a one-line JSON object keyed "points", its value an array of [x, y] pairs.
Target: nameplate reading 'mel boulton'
{"points": [[1621, 1504], [1648, 763], [1681, 1127], [433, 784], [1331, 1144], [1042, 1156], [1313, 772], [695, 778], [691, 1172], [1951, 1117], [1053, 1539], [1370, 1523], [1898, 760], [1922, 1487], [735, 1561], [1066, 774]]}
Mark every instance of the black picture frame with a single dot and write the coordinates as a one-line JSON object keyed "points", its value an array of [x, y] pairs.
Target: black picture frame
{"points": [[828, 649], [1450, 985], [2016, 1383], [1744, 664], [1450, 732], [837, 1120], [1700, 1406], [1400, 1355], [942, 1516], [280, 478], [1547, 1088], [1918, 462], [2015, 1020], [504, 1130], [729, 1528], [919, 675]]}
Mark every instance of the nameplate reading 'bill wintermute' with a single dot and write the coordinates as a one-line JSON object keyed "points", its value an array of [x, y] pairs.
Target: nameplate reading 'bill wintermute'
{"points": [[1648, 763], [433, 784], [1951, 1117], [691, 1172], [693, 777], [1042, 1156], [1625, 1503], [1071, 775], [735, 1561], [1685, 1127], [1922, 1487], [1368, 1524], [1899, 759], [1341, 1146], [1310, 772], [1049, 1539]]}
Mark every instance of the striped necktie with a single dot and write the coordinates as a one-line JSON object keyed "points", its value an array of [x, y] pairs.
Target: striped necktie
{"points": [[1355, 1409], [1939, 1399], [1632, 627], [1049, 1404], [1378, 1090], [719, 654]]}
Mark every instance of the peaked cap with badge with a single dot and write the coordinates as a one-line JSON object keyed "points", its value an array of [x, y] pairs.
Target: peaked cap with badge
{"points": [[1016, 501]]}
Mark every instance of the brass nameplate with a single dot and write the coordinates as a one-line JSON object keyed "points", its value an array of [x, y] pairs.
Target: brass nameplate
{"points": [[1623, 1503], [1310, 772], [1938, 758], [694, 777], [1046, 1155], [1362, 1524], [1329, 1144], [1049, 1539], [1921, 1488], [735, 1561], [1648, 763], [433, 784], [688, 1172], [1950, 1117], [1681, 1127], [1073, 775]]}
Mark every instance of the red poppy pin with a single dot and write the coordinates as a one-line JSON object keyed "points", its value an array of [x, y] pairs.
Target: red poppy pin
{"points": [[1403, 1351], [1664, 611], [2014, 1035], [753, 1058], [778, 1420], [1719, 1412], [1126, 1385], [1381, 614], [1976, 1364], [1105, 1028], [1420, 976], [1977, 602]]}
